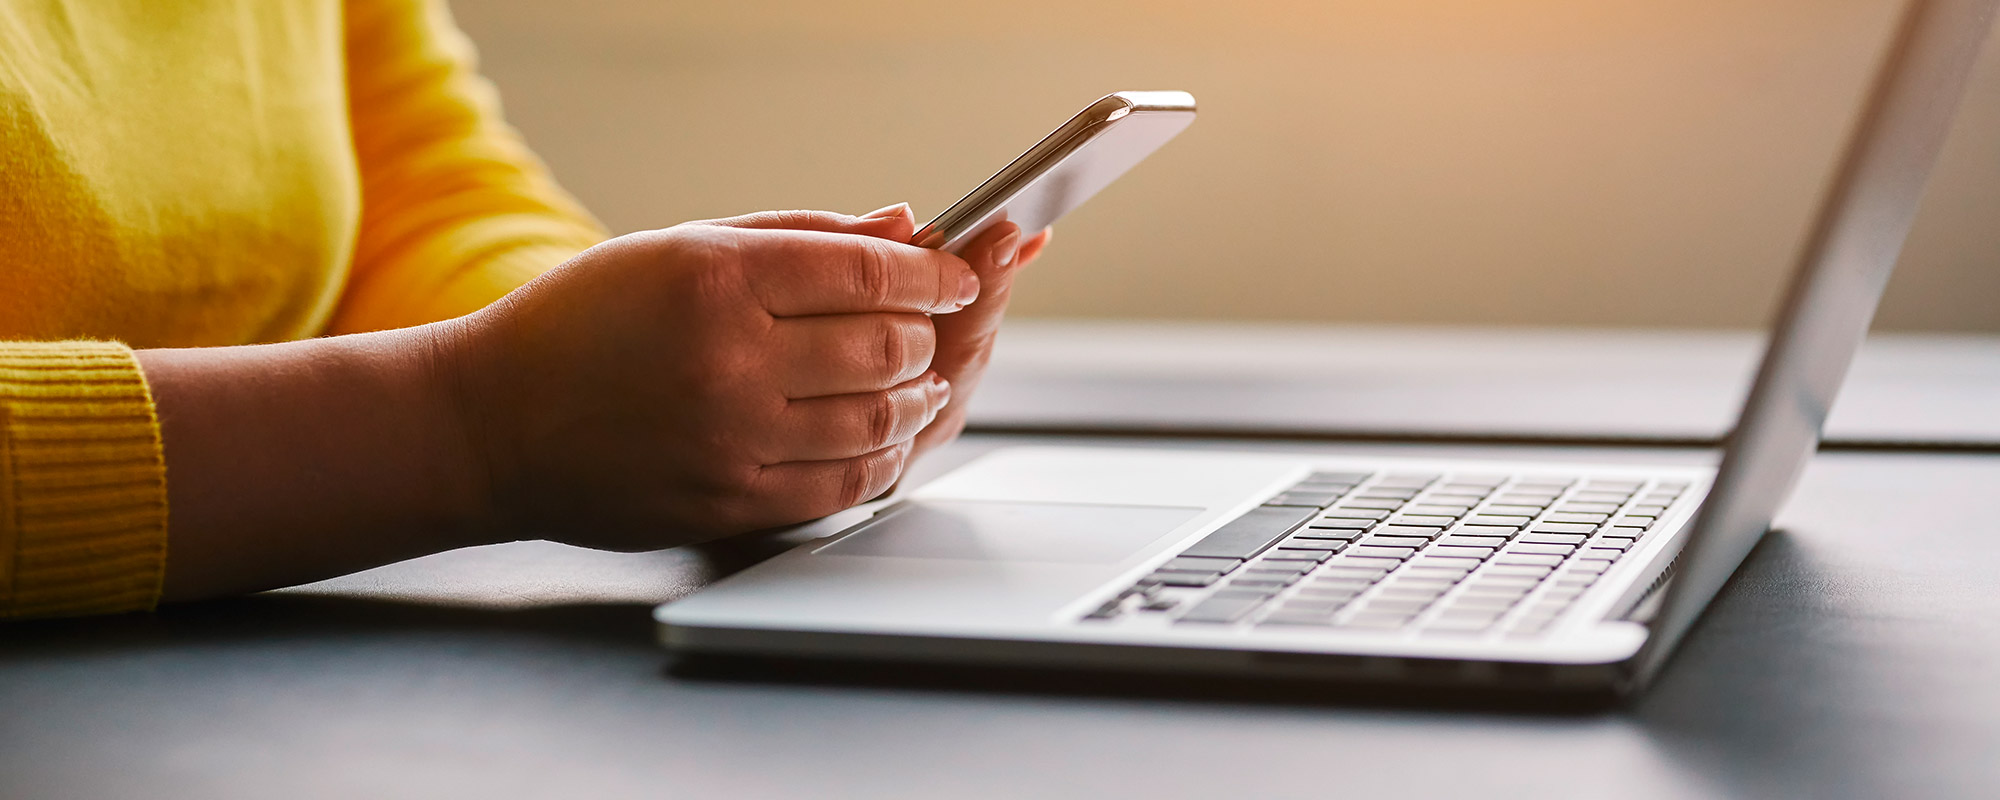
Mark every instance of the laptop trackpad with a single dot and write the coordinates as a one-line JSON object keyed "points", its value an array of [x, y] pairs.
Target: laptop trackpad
{"points": [[1064, 533]]}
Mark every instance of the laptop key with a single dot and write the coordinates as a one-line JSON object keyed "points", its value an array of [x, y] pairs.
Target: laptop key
{"points": [[1249, 534], [1486, 530], [1222, 608], [1398, 553], [1109, 610], [1530, 559], [1335, 584], [1376, 620], [1375, 503], [1494, 603], [1302, 543], [1588, 508], [1516, 585], [1260, 584], [1498, 520], [1184, 579], [1587, 519], [1394, 541], [1465, 501], [1409, 530], [1458, 551], [1422, 520], [1304, 498], [1406, 587], [1455, 623], [1436, 510], [1199, 564], [1289, 617], [1322, 592], [1562, 527], [1552, 538], [1350, 512], [1542, 549], [1487, 615], [1518, 569], [1591, 496], [1491, 578], [1159, 604], [1268, 564], [1427, 571], [1397, 606], [1192, 573], [1474, 541]]}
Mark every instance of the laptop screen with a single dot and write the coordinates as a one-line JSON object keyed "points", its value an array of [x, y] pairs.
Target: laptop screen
{"points": [[1842, 269]]}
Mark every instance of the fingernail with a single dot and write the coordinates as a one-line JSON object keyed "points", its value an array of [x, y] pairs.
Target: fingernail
{"points": [[941, 389], [888, 212], [1005, 249], [968, 288]]}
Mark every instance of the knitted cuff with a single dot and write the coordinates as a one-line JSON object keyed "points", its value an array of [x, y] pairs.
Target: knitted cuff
{"points": [[83, 485]]}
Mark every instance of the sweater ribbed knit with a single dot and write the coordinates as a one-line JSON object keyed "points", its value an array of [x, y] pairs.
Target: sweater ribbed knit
{"points": [[83, 489]]}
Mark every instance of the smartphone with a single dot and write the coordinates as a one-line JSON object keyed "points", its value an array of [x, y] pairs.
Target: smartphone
{"points": [[1084, 155]]}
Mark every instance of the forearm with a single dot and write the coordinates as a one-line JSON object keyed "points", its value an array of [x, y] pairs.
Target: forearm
{"points": [[288, 463]]}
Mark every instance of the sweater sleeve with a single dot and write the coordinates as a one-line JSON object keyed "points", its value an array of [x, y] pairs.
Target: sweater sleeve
{"points": [[455, 211], [83, 491]]}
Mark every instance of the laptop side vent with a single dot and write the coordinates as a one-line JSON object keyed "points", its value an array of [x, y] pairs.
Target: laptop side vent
{"points": [[1642, 608]]}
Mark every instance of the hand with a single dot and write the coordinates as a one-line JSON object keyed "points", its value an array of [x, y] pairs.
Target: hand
{"points": [[677, 385]]}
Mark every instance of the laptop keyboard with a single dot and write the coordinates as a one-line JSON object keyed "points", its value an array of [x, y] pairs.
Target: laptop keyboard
{"points": [[1449, 554]]}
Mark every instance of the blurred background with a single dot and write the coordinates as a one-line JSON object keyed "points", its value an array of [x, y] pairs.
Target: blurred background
{"points": [[1543, 162]]}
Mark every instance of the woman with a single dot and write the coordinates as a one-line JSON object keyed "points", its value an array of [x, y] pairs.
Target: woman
{"points": [[189, 192]]}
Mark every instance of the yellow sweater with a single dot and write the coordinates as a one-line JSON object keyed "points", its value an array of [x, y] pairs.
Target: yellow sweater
{"points": [[221, 172]]}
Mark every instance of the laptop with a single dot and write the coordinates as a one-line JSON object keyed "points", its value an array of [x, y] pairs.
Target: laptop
{"points": [[1483, 574]]}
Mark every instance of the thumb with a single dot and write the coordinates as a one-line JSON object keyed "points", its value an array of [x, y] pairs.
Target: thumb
{"points": [[895, 223]]}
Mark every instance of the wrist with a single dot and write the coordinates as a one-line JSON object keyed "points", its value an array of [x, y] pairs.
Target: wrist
{"points": [[462, 441]]}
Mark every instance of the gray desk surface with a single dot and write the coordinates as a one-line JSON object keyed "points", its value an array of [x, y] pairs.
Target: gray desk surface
{"points": [[1855, 655], [1476, 383]]}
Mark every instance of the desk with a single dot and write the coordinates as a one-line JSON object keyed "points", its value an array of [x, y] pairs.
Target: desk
{"points": [[1521, 384], [1855, 655]]}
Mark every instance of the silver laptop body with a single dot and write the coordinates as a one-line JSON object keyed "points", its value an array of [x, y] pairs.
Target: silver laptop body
{"points": [[1494, 574]]}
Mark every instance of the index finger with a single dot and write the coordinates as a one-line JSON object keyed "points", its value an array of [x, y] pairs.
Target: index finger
{"points": [[799, 273]]}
